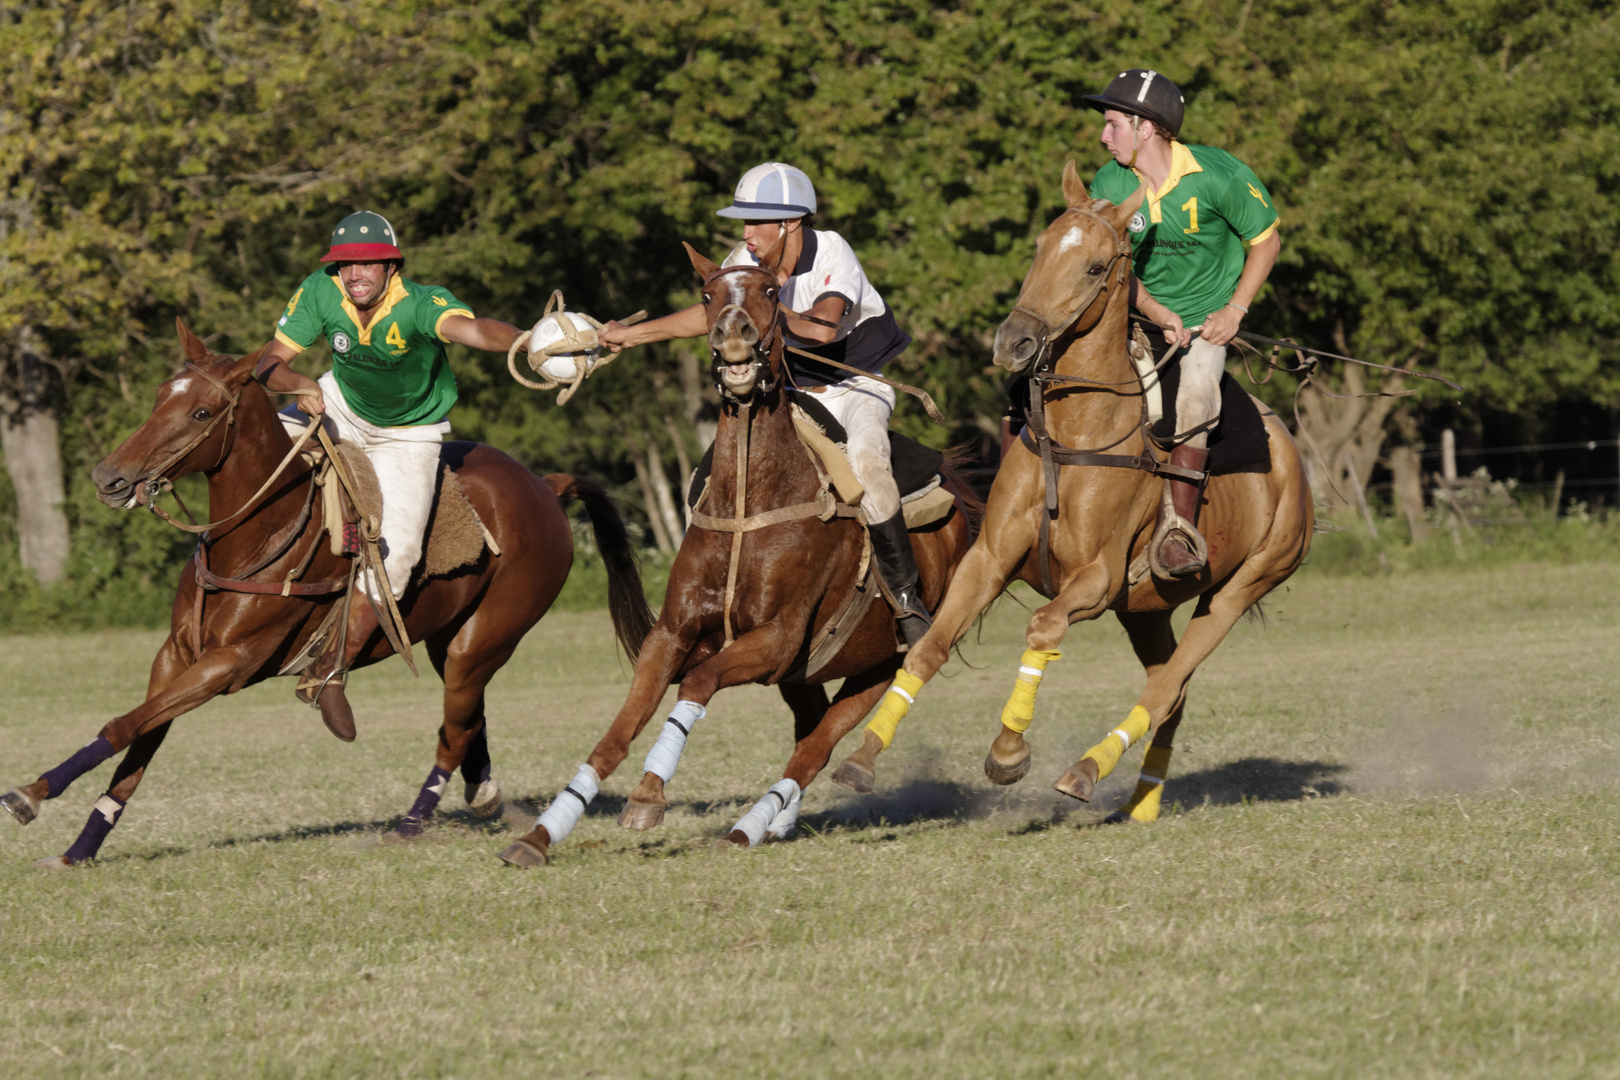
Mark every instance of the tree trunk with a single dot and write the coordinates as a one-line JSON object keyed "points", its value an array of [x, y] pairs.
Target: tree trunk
{"points": [[673, 525], [1404, 464], [30, 439], [649, 502], [1348, 433]]}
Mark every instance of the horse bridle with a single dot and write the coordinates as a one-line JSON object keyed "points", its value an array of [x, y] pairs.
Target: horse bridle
{"points": [[761, 349], [1042, 364]]}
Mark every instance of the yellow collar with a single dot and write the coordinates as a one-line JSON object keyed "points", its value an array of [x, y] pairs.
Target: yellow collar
{"points": [[1182, 163], [396, 292]]}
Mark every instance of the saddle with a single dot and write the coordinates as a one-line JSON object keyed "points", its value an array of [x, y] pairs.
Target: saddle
{"points": [[916, 467], [456, 536]]}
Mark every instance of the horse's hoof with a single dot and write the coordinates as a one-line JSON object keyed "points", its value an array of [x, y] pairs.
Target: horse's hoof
{"points": [[523, 854], [1004, 773], [23, 807], [58, 863], [484, 799], [736, 838], [641, 816], [1079, 781], [1118, 817], [855, 776]]}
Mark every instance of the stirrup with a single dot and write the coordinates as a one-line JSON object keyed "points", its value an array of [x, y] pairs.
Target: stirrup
{"points": [[1172, 524], [314, 700]]}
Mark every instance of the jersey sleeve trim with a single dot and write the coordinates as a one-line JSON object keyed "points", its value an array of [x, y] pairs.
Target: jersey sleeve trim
{"points": [[1263, 234], [443, 315], [290, 343]]}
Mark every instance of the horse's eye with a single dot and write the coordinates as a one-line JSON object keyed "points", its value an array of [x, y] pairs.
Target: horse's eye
{"points": [[707, 298], [1096, 268], [771, 293], [201, 414]]}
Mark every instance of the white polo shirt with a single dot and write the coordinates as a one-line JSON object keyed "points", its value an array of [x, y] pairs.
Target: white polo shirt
{"points": [[867, 337]]}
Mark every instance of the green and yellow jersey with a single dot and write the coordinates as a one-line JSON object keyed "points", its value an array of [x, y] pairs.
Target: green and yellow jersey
{"points": [[1190, 238], [393, 372]]}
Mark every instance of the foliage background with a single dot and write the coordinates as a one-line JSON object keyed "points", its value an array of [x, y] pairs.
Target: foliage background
{"points": [[1446, 172]]}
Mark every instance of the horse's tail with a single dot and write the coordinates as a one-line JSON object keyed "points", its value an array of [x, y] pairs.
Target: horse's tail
{"points": [[632, 618], [951, 470]]}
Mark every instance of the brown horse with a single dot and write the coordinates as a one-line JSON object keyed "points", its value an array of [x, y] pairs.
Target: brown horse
{"points": [[1258, 523], [220, 642], [748, 595]]}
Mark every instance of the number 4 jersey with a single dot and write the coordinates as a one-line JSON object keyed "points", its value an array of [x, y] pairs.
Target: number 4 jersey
{"points": [[1188, 240], [394, 371]]}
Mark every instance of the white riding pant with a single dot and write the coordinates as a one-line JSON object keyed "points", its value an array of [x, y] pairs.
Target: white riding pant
{"points": [[1198, 399], [863, 406], [406, 460]]}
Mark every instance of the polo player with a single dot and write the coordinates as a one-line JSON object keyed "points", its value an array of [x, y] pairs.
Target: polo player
{"points": [[1202, 246], [831, 311], [389, 393]]}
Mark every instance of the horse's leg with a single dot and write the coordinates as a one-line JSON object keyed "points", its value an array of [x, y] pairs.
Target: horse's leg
{"points": [[662, 655], [1166, 689], [1085, 597], [465, 664], [214, 673], [984, 572], [815, 744], [1154, 640]]}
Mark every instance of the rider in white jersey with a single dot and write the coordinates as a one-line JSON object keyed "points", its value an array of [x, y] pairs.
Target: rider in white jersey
{"points": [[832, 310]]}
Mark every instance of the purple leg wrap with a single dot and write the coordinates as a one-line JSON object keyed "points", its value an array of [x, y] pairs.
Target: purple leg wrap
{"points": [[103, 817], [83, 760], [475, 765], [426, 802]]}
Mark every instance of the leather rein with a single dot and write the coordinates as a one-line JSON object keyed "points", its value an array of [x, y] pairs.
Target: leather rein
{"points": [[825, 506], [1036, 436]]}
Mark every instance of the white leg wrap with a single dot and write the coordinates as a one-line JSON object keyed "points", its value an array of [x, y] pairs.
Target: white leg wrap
{"points": [[783, 824], [776, 801], [665, 754], [569, 805]]}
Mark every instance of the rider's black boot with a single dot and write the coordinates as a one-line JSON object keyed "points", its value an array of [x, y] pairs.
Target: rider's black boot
{"points": [[897, 566]]}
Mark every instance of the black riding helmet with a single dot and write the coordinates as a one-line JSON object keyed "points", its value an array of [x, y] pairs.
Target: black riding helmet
{"points": [[1143, 93]]}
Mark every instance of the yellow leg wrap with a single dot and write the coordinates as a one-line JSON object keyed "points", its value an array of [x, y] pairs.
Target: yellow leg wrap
{"points": [[894, 706], [1144, 804], [1019, 712], [1108, 752]]}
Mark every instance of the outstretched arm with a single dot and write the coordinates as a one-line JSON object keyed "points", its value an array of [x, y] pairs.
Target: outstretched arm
{"points": [[491, 335], [686, 323]]}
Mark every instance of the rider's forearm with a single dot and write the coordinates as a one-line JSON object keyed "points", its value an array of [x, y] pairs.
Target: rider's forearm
{"points": [[491, 335], [1256, 268], [687, 323], [275, 375]]}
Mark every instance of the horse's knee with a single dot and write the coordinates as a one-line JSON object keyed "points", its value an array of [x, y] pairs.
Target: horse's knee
{"points": [[1046, 630]]}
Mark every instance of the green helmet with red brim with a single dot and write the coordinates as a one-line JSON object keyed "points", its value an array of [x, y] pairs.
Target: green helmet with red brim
{"points": [[363, 237]]}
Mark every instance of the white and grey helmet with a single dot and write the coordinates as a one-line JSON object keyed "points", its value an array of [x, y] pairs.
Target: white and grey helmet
{"points": [[772, 192]]}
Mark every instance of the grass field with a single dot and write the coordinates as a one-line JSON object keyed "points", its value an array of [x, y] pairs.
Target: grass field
{"points": [[1392, 851]]}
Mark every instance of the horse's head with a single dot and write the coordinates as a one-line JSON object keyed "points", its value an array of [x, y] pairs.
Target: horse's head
{"points": [[189, 429], [1080, 260], [745, 335]]}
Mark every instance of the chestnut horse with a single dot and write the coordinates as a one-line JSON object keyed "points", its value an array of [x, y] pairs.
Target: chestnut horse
{"points": [[1258, 523], [470, 620], [749, 594]]}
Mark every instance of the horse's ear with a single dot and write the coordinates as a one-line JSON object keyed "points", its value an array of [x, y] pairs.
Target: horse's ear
{"points": [[242, 370], [706, 268], [1134, 203], [194, 349], [1073, 189]]}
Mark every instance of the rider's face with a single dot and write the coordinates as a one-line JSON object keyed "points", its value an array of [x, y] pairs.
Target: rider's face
{"points": [[364, 282], [1118, 136], [761, 235]]}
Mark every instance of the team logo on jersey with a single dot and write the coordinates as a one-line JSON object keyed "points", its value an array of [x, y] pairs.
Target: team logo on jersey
{"points": [[341, 342], [1138, 222]]}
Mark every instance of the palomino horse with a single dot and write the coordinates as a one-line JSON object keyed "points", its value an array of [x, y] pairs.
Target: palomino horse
{"points": [[1258, 523], [220, 642], [749, 594]]}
